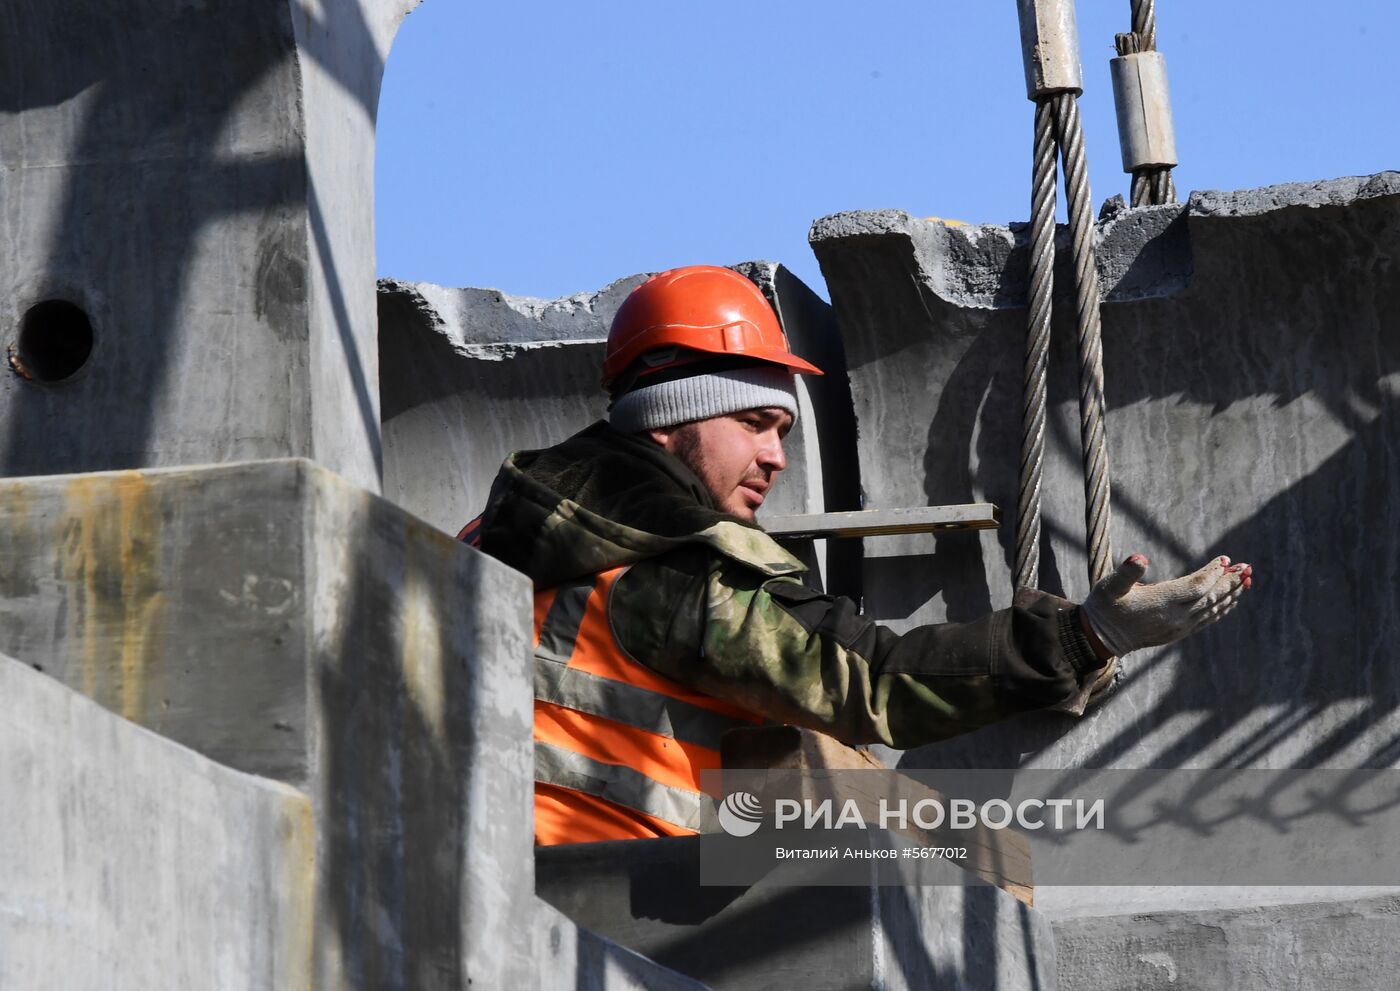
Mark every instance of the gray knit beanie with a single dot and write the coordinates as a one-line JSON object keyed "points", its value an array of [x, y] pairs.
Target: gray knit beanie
{"points": [[699, 397]]}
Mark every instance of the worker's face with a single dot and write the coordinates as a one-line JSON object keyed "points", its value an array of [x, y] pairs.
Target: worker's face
{"points": [[737, 456]]}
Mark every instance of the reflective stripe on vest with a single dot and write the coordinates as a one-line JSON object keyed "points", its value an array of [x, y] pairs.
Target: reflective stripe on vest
{"points": [[609, 727], [471, 533], [619, 785]]}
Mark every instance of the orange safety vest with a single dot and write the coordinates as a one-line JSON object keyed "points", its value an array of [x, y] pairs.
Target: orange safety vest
{"points": [[619, 749]]}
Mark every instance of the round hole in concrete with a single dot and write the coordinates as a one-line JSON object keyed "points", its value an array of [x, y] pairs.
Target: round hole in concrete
{"points": [[55, 340]]}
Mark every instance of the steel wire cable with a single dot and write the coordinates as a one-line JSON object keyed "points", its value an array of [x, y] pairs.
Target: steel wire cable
{"points": [[1092, 435], [1151, 186], [1057, 122], [1042, 283], [1145, 24]]}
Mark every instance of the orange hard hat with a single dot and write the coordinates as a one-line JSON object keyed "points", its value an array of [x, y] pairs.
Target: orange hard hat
{"points": [[702, 308]]}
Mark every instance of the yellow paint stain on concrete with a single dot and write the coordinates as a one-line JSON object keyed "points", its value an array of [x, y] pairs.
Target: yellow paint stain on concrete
{"points": [[142, 597], [15, 502], [946, 222], [79, 568], [298, 971], [16, 510], [111, 564], [421, 648]]}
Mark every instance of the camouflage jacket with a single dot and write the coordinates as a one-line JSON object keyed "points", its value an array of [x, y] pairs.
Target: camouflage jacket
{"points": [[716, 604]]}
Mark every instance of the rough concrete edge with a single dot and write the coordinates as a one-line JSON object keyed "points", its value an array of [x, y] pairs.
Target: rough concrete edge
{"points": [[408, 296], [1202, 203], [461, 315], [856, 224], [957, 262], [455, 313], [1268, 199]]}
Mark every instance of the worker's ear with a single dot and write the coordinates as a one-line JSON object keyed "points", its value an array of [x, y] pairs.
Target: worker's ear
{"points": [[659, 436]]}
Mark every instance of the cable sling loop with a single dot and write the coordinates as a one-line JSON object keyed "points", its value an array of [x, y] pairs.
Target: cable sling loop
{"points": [[1053, 81]]}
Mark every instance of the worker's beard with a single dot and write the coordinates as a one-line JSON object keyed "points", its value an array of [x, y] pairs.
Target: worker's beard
{"points": [[688, 448]]}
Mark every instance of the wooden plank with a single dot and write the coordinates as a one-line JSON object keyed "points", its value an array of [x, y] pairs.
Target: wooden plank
{"points": [[884, 522], [1000, 857]]}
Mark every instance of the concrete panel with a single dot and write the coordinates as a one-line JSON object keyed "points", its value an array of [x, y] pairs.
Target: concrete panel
{"points": [[1348, 944], [1252, 370], [342, 46], [470, 375], [196, 178], [645, 894], [568, 958], [130, 863], [283, 621], [821, 474]]}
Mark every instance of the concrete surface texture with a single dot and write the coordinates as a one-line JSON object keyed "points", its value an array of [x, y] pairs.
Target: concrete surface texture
{"points": [[1252, 372], [471, 375], [647, 896], [1347, 944], [196, 180], [130, 863], [570, 958], [284, 622], [187, 278]]}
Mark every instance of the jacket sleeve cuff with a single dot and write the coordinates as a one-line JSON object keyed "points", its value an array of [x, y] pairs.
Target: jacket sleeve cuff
{"points": [[1075, 644]]}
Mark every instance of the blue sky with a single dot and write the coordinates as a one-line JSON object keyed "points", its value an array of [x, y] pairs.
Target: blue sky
{"points": [[549, 148]]}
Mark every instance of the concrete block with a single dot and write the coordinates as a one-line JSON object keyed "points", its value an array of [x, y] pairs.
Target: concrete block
{"points": [[1252, 372], [1340, 944], [821, 474], [645, 894], [569, 958], [470, 375], [284, 622], [197, 180], [130, 863]]}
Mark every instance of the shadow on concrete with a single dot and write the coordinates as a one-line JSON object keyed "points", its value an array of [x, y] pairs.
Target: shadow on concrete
{"points": [[364, 399], [147, 178], [394, 787], [1262, 396]]}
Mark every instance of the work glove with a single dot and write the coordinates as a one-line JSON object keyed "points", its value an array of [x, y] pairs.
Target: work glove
{"points": [[1095, 683], [1127, 615]]}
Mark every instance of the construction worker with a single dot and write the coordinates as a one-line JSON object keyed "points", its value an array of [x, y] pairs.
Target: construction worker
{"points": [[664, 615]]}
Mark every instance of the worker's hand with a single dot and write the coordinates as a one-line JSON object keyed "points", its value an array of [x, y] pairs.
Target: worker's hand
{"points": [[1127, 615]]}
